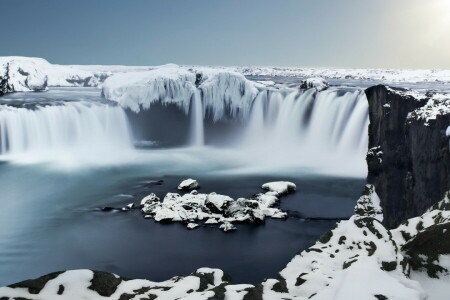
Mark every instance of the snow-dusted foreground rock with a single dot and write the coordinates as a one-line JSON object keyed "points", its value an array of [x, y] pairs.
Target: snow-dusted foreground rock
{"points": [[188, 184], [358, 259], [195, 208]]}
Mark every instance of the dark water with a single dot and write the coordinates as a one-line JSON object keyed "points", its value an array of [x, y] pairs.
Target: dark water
{"points": [[49, 221]]}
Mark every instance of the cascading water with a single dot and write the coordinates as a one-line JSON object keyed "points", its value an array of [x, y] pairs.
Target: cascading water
{"points": [[71, 131], [197, 133], [325, 129]]}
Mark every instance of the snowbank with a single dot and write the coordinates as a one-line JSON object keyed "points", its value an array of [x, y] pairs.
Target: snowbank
{"points": [[35, 74], [280, 187], [382, 75]]}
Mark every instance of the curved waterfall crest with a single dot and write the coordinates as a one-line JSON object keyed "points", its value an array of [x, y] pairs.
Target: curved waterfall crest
{"points": [[69, 129]]}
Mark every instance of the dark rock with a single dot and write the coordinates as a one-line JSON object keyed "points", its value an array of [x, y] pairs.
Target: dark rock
{"points": [[60, 289], [255, 293], [423, 250], [413, 171], [105, 284], [35, 286]]}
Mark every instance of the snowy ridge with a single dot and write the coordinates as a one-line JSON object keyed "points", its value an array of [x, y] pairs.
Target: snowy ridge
{"points": [[385, 75], [35, 74]]}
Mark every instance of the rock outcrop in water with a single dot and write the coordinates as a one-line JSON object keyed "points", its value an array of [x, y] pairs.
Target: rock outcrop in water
{"points": [[196, 209], [409, 157]]}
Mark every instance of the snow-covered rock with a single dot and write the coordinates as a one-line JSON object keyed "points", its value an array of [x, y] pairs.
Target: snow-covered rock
{"points": [[318, 83], [369, 204], [191, 225], [227, 226], [437, 105], [425, 240], [23, 74], [188, 184], [280, 187], [214, 208]]}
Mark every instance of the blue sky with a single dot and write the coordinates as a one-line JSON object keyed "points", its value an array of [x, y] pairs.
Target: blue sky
{"points": [[322, 33]]}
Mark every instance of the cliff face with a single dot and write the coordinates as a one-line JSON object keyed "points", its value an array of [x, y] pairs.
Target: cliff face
{"points": [[408, 158]]}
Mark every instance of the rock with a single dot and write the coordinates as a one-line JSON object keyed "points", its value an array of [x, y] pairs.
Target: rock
{"points": [[368, 205], [227, 226], [409, 157], [280, 187], [188, 184], [150, 199], [318, 83], [217, 203], [191, 225], [211, 221], [193, 207]]}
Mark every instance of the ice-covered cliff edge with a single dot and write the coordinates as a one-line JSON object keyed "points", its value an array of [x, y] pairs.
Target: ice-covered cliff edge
{"points": [[221, 91]]}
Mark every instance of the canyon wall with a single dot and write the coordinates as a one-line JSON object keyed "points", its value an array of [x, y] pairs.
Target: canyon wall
{"points": [[408, 158]]}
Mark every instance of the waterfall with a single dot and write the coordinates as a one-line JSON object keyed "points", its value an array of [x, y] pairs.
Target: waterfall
{"points": [[71, 130], [326, 129], [197, 131]]}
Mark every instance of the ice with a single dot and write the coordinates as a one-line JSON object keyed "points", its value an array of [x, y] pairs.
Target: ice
{"points": [[280, 187]]}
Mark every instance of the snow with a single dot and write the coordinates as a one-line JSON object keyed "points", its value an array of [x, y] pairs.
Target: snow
{"points": [[188, 184], [437, 214], [369, 204], [385, 75], [318, 83], [280, 187], [192, 225], [227, 226], [436, 288], [35, 74], [438, 105]]}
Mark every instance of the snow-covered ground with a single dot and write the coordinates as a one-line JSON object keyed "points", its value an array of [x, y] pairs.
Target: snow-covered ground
{"points": [[28, 73]]}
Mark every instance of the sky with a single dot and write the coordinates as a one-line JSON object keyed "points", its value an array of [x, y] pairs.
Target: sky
{"points": [[300, 33]]}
